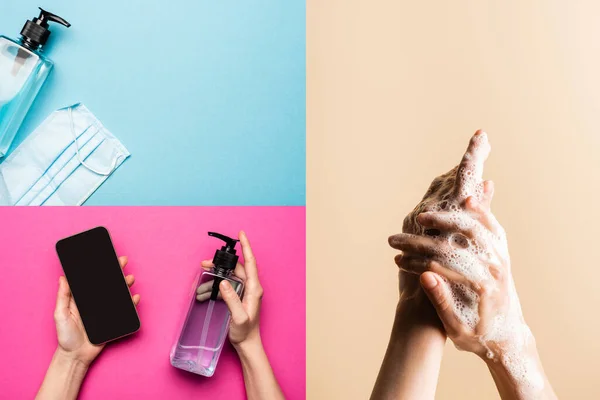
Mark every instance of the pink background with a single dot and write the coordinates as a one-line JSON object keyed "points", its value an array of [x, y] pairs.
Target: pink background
{"points": [[165, 246]]}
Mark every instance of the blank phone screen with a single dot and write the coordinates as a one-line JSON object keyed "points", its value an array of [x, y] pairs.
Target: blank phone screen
{"points": [[98, 285]]}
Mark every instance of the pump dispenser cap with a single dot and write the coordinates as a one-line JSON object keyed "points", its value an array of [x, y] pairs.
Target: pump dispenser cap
{"points": [[225, 257], [35, 32]]}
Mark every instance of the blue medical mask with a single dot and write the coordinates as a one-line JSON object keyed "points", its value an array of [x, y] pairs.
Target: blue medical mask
{"points": [[62, 162]]}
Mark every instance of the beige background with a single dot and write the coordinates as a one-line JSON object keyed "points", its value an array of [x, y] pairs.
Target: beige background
{"points": [[395, 89]]}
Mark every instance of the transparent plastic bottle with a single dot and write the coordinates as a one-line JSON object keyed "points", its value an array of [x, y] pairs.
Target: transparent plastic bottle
{"points": [[23, 71], [206, 323]]}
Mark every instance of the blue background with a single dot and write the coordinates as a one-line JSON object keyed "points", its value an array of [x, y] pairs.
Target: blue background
{"points": [[208, 96]]}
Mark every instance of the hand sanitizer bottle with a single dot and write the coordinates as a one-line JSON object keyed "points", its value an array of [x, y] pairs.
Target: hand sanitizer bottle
{"points": [[23, 71], [207, 322]]}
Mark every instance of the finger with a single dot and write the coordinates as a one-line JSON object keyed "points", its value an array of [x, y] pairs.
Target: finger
{"points": [[240, 272], [249, 260], [412, 264], [253, 292], [136, 299], [204, 291], [449, 222], [207, 264], [485, 217], [451, 275], [419, 265], [205, 287], [470, 170], [414, 244], [123, 261], [63, 298], [398, 259], [488, 195], [238, 314], [130, 279], [205, 296], [439, 295]]}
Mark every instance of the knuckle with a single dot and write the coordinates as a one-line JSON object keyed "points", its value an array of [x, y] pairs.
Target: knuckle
{"points": [[259, 292], [57, 317], [441, 299], [485, 289], [242, 319], [496, 272], [472, 230], [428, 265], [411, 266], [409, 224]]}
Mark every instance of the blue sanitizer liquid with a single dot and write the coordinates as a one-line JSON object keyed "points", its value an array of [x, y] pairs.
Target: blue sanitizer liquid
{"points": [[22, 75]]}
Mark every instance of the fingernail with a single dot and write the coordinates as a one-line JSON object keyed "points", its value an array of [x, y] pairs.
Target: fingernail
{"points": [[225, 285], [428, 281]]}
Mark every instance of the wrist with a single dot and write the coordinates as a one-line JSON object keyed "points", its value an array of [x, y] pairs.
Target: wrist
{"points": [[419, 314], [518, 372], [69, 360], [63, 377], [410, 329], [414, 341], [249, 347]]}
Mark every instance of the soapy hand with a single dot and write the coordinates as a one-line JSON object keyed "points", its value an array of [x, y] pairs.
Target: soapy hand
{"points": [[465, 271], [446, 189], [72, 339], [460, 251], [245, 314], [463, 257]]}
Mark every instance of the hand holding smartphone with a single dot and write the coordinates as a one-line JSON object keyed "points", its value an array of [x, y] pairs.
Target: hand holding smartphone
{"points": [[98, 285]]}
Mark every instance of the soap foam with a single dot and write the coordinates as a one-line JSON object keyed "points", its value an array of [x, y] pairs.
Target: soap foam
{"points": [[508, 335]]}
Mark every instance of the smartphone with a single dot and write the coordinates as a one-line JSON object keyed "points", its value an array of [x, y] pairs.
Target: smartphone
{"points": [[98, 285]]}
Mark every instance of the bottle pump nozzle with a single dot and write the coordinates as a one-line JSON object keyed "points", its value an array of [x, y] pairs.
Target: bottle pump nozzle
{"points": [[224, 259], [35, 32]]}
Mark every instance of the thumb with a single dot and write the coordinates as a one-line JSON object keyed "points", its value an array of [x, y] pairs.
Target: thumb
{"points": [[231, 298], [63, 298], [439, 295]]}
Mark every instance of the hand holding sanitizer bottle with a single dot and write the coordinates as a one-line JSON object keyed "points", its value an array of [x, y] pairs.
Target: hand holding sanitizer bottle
{"points": [[207, 322], [23, 70]]}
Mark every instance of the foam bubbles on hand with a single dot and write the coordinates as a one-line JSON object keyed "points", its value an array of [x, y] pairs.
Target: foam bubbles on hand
{"points": [[507, 335]]}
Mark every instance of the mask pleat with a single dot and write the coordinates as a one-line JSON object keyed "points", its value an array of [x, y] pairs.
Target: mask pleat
{"points": [[56, 167], [45, 168], [67, 170]]}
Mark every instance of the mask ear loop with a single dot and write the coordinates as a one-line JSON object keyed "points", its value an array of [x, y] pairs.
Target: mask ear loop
{"points": [[112, 167]]}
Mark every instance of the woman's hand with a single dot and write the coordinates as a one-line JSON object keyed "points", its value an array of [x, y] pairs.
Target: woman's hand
{"points": [[465, 271], [445, 191], [463, 258], [72, 339], [245, 314], [74, 353], [244, 332], [461, 255], [411, 364]]}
